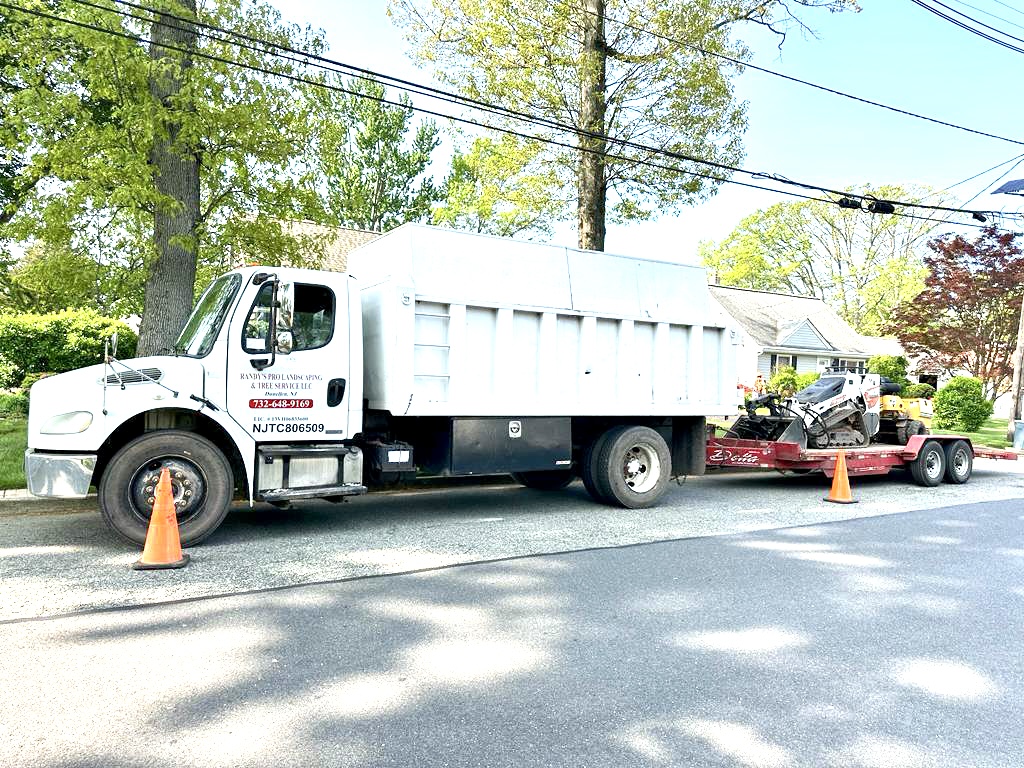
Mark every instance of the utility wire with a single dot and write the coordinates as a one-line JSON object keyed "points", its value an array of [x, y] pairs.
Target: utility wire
{"points": [[432, 113], [979, 23], [1006, 5], [792, 79], [452, 98], [989, 13], [409, 86], [967, 27]]}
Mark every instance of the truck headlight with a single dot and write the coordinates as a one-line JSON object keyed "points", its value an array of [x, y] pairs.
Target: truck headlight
{"points": [[67, 423]]}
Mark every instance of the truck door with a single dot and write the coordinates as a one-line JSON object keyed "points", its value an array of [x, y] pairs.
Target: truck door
{"points": [[297, 397]]}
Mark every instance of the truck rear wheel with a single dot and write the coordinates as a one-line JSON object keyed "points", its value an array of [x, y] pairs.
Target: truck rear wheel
{"points": [[589, 468], [959, 462], [201, 481], [633, 467], [545, 480], [929, 466]]}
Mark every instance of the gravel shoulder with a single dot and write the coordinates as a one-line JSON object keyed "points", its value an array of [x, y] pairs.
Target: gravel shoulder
{"points": [[58, 558]]}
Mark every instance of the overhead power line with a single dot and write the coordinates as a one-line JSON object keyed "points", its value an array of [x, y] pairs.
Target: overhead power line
{"points": [[654, 151], [968, 27], [868, 201], [990, 14], [798, 80], [979, 23]]}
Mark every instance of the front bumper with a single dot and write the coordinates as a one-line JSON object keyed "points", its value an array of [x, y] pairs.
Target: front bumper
{"points": [[59, 475]]}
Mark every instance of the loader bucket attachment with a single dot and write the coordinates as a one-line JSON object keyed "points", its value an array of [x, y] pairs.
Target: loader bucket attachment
{"points": [[775, 429]]}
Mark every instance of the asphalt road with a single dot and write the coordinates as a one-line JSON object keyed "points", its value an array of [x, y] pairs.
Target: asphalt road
{"points": [[53, 564], [887, 641]]}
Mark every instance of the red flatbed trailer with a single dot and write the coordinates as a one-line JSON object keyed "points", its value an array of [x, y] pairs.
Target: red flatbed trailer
{"points": [[930, 458]]}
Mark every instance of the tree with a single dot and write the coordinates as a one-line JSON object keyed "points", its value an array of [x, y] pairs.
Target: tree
{"points": [[499, 187], [110, 136], [369, 171], [607, 68], [965, 320], [862, 265]]}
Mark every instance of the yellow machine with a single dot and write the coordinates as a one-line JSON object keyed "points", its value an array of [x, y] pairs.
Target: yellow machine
{"points": [[902, 418]]}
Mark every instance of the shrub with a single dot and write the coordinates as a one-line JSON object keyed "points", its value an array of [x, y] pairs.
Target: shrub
{"points": [[32, 378], [893, 367], [783, 381], [10, 374], [961, 406], [918, 390], [13, 405], [61, 341]]}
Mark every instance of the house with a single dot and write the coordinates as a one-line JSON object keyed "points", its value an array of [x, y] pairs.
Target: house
{"points": [[799, 331]]}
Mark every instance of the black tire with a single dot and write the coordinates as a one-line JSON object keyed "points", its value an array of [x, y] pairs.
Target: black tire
{"points": [[959, 462], [201, 479], [929, 467], [633, 467], [908, 429], [545, 480], [588, 470]]}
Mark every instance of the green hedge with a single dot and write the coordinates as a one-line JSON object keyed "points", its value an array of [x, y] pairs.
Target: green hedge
{"points": [[961, 405], [58, 342], [13, 405], [918, 390]]}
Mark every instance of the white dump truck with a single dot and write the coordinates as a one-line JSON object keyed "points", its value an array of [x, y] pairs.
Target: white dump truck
{"points": [[439, 353]]}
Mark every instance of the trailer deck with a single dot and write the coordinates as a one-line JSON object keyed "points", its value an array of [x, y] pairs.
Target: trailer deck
{"points": [[876, 459]]}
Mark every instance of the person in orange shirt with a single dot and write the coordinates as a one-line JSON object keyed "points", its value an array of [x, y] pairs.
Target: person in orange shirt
{"points": [[760, 385]]}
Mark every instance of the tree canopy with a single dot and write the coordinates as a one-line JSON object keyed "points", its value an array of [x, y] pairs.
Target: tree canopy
{"points": [[862, 265], [119, 149], [626, 69], [965, 319]]}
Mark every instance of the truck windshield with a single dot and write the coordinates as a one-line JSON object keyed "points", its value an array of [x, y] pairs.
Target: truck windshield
{"points": [[200, 332]]}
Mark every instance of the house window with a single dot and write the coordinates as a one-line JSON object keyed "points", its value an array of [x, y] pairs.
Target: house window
{"points": [[845, 364], [781, 360]]}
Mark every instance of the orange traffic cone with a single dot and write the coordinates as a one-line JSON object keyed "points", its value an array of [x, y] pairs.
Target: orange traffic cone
{"points": [[840, 493], [163, 547]]}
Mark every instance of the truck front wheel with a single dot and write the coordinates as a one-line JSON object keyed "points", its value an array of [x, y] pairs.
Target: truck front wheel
{"points": [[633, 467], [201, 482]]}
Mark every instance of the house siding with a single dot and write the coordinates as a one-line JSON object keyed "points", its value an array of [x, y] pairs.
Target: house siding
{"points": [[805, 338]]}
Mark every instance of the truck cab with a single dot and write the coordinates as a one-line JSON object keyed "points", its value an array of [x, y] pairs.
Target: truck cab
{"points": [[262, 391]]}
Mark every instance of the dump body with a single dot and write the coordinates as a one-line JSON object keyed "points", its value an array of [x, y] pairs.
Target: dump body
{"points": [[468, 325]]}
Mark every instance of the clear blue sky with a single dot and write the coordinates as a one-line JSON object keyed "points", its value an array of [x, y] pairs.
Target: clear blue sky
{"points": [[892, 52]]}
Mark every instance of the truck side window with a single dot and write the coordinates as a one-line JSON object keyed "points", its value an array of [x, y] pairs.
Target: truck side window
{"points": [[314, 316], [257, 324]]}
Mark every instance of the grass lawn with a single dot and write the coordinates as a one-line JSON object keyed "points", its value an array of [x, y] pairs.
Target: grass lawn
{"points": [[992, 434], [13, 438]]}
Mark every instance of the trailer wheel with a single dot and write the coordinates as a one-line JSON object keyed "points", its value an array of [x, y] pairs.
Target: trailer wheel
{"points": [[545, 480], [929, 466], [589, 468], [959, 462], [633, 467], [201, 480]]}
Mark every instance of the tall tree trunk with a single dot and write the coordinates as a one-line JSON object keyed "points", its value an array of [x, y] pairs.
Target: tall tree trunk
{"points": [[170, 285], [593, 183]]}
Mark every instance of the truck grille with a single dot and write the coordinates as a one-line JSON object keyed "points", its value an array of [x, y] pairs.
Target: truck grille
{"points": [[135, 377]]}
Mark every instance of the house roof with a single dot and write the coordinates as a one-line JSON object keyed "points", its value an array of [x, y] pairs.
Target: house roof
{"points": [[339, 241], [771, 319]]}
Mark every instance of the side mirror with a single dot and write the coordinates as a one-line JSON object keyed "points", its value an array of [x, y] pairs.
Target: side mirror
{"points": [[285, 306], [285, 342]]}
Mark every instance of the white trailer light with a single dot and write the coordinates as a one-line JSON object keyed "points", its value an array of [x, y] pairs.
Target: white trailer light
{"points": [[68, 423]]}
